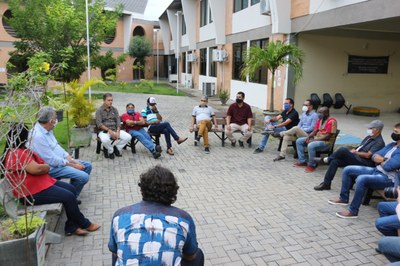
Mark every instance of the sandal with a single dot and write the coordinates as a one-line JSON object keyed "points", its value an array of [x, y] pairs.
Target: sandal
{"points": [[170, 152]]}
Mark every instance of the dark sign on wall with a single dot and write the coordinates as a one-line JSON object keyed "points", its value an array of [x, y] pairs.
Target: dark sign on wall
{"points": [[368, 64]]}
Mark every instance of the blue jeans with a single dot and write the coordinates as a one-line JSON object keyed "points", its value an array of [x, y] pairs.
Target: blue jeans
{"points": [[144, 138], [390, 247], [78, 177], [312, 148], [64, 193], [388, 222], [367, 177], [266, 137], [166, 129]]}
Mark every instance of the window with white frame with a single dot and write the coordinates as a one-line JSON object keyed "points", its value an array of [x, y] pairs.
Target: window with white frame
{"points": [[238, 50], [240, 5], [211, 64], [203, 12], [261, 75], [203, 62]]}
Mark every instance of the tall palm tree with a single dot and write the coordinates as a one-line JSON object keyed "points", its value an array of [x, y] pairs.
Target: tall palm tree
{"points": [[272, 56]]}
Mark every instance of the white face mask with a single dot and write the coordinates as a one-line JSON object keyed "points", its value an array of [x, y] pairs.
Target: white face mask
{"points": [[304, 108], [55, 122], [369, 132]]}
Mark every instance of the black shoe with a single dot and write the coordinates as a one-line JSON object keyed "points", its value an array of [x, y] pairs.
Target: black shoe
{"points": [[112, 156], [233, 143], [258, 150], [105, 153], [198, 138], [279, 158], [322, 186], [296, 156], [156, 154], [276, 135], [378, 251], [158, 148], [117, 152], [207, 150], [241, 143], [79, 202]]}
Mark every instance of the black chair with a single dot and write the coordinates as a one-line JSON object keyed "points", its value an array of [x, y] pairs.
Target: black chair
{"points": [[328, 101], [315, 100], [340, 102]]}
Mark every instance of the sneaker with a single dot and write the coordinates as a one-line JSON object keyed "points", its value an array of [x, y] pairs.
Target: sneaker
{"points": [[158, 148], [325, 160], [337, 201], [279, 158], [310, 169], [207, 150], [258, 150], [300, 164], [241, 144], [156, 155], [197, 139], [322, 186], [267, 132], [276, 135], [233, 143], [346, 215]]}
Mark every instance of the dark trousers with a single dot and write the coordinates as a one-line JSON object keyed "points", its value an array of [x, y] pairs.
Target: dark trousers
{"points": [[341, 158], [166, 129], [64, 193]]}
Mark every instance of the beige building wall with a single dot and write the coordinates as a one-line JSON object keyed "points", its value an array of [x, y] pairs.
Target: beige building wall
{"points": [[325, 71], [299, 8]]}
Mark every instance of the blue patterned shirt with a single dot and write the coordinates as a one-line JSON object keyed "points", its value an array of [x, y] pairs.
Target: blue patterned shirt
{"points": [[149, 233]]}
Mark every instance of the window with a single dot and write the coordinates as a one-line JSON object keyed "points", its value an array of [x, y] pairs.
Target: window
{"points": [[253, 2], [184, 62], [210, 19], [183, 25], [203, 12], [189, 68], [240, 4], [212, 65], [261, 75], [203, 62], [238, 49]]}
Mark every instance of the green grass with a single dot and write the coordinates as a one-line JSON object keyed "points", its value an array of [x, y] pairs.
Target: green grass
{"points": [[61, 133], [144, 88]]}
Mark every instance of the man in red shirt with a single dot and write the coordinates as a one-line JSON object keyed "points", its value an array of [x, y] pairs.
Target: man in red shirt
{"points": [[134, 122], [239, 117], [318, 140]]}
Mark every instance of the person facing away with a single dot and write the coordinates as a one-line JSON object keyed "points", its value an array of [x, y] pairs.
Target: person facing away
{"points": [[290, 118], [306, 125], [152, 232], [360, 155], [387, 161], [29, 177], [134, 122], [239, 117], [62, 165], [109, 123], [201, 118], [155, 125], [318, 140]]}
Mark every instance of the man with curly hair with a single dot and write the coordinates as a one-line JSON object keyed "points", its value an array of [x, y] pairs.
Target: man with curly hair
{"points": [[152, 232]]}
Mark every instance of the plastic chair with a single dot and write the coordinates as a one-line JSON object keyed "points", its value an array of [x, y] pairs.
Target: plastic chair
{"points": [[340, 102], [315, 100], [328, 101]]}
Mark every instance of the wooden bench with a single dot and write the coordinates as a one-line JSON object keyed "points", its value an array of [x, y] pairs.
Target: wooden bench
{"points": [[219, 131], [14, 208]]}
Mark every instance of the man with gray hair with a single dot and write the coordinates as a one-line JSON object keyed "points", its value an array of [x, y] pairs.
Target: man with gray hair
{"points": [[360, 155], [62, 165], [201, 118]]}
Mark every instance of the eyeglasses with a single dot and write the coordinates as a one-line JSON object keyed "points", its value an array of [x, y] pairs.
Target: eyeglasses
{"points": [[306, 105], [203, 100]]}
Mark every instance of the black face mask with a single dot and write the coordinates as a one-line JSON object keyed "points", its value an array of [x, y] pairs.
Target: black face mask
{"points": [[239, 100], [395, 137]]}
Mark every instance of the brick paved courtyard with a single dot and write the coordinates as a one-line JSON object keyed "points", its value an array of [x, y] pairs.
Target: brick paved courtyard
{"points": [[248, 210]]}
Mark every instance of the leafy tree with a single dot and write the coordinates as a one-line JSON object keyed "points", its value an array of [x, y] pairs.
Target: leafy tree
{"points": [[272, 56], [139, 48], [58, 27], [107, 61]]}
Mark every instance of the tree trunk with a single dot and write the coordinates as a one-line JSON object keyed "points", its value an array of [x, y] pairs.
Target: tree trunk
{"points": [[271, 103]]}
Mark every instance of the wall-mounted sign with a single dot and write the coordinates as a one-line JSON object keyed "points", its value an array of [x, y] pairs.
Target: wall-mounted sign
{"points": [[368, 64]]}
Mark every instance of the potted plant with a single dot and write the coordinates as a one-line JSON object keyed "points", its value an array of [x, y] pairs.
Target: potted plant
{"points": [[56, 101], [223, 96], [81, 112], [272, 56]]}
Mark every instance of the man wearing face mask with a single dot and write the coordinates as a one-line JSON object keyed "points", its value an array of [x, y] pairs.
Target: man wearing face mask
{"points": [[201, 117], [307, 122], [387, 162], [62, 165], [239, 117], [318, 140], [360, 155], [290, 118], [134, 122]]}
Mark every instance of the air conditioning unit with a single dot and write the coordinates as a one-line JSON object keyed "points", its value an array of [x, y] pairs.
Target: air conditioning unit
{"points": [[208, 89], [219, 55], [191, 58], [265, 8]]}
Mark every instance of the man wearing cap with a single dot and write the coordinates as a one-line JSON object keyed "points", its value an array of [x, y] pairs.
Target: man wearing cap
{"points": [[361, 155], [155, 125], [109, 122], [201, 117]]}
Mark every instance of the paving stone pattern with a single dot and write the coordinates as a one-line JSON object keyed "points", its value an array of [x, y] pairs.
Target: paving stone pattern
{"points": [[248, 209]]}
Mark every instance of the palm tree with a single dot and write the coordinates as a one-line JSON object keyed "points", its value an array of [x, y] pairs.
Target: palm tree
{"points": [[272, 56]]}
